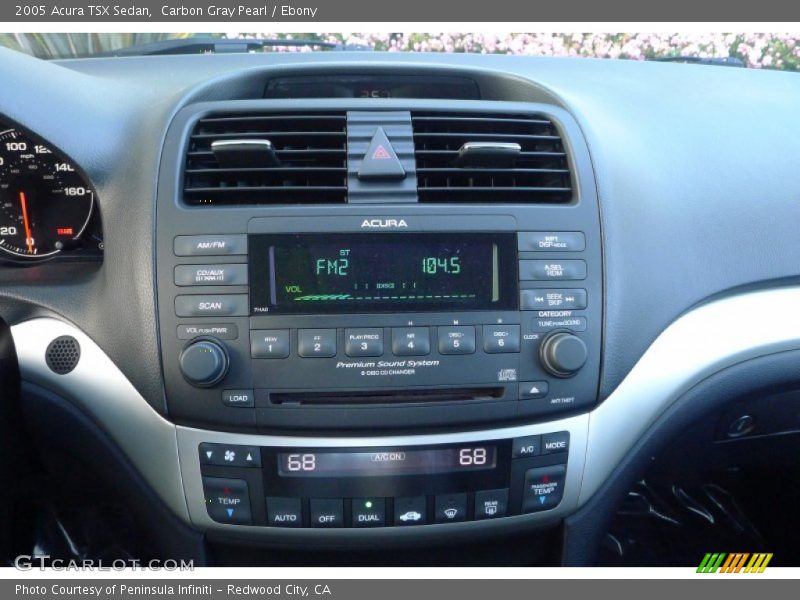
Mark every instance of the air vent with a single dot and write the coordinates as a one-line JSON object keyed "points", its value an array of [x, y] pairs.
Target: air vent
{"points": [[275, 158], [480, 157]]}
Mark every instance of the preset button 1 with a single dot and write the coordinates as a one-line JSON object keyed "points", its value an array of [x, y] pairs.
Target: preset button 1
{"points": [[269, 343]]}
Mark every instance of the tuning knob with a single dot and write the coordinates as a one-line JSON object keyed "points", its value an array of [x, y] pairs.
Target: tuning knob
{"points": [[204, 363], [562, 353]]}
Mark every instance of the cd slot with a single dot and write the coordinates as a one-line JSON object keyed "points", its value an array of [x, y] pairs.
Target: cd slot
{"points": [[388, 397]]}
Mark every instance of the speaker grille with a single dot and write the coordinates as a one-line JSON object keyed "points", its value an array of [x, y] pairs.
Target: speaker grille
{"points": [[62, 354]]}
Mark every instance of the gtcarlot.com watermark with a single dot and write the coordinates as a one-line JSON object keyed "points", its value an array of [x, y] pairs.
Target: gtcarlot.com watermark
{"points": [[45, 562]]}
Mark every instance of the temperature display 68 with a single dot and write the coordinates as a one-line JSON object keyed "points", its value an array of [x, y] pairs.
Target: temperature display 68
{"points": [[45, 204], [387, 462]]}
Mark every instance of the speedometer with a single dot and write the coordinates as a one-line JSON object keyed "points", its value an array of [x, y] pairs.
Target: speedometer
{"points": [[45, 203]]}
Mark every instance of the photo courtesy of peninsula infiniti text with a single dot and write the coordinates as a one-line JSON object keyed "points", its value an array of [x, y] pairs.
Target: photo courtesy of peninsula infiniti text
{"points": [[356, 308]]}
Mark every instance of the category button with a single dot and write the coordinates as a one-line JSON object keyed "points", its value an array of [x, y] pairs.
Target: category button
{"points": [[220, 305], [369, 512], [544, 488], [552, 270], [456, 340], [500, 338], [552, 241], [363, 342], [316, 343], [211, 274], [541, 299], [210, 245], [411, 341], [269, 343], [227, 500], [284, 512]]}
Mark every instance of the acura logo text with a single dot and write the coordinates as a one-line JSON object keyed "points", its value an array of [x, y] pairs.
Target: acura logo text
{"points": [[384, 223]]}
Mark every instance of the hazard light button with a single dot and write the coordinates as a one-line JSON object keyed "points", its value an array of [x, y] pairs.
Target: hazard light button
{"points": [[381, 162]]}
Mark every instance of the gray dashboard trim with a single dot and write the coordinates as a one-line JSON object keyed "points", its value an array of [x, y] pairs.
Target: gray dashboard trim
{"points": [[703, 341]]}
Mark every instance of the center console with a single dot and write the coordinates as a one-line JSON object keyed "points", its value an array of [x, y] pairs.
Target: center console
{"points": [[384, 362]]}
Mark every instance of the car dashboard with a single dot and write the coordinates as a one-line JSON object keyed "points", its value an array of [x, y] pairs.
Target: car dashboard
{"points": [[316, 301]]}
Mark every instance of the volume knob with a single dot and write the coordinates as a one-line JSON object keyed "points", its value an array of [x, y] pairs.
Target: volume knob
{"points": [[204, 363], [562, 353]]}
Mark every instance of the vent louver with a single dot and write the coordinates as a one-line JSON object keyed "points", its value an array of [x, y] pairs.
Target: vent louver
{"points": [[269, 158], [489, 157]]}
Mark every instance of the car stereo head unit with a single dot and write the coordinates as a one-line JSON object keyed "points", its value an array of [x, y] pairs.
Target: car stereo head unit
{"points": [[384, 319]]}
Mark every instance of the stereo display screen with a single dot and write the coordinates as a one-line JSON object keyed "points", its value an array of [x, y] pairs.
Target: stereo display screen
{"points": [[382, 272]]}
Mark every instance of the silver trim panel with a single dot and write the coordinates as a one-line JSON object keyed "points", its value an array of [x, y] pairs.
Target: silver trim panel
{"points": [[701, 342]]}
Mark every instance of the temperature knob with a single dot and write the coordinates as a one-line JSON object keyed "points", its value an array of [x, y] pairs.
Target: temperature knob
{"points": [[204, 363], [562, 353]]}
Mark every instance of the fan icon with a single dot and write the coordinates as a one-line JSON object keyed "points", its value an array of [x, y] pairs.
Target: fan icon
{"points": [[230, 455]]}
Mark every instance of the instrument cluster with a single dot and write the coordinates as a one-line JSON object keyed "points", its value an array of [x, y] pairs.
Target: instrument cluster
{"points": [[48, 209]]}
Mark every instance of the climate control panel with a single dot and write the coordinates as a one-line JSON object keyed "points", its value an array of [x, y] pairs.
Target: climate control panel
{"points": [[383, 487]]}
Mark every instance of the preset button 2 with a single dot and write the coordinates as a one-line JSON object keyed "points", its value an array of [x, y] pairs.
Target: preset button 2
{"points": [[316, 343]]}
